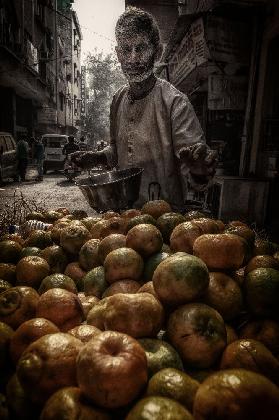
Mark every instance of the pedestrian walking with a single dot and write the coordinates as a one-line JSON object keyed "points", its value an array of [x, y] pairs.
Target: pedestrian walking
{"points": [[39, 156], [22, 154], [82, 144]]}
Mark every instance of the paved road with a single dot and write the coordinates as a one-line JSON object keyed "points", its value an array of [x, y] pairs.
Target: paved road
{"points": [[53, 192]]}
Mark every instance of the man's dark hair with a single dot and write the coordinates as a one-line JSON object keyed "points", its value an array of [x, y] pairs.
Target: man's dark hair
{"points": [[71, 139], [138, 20]]}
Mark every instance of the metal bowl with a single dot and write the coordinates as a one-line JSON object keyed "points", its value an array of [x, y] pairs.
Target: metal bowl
{"points": [[112, 190]]}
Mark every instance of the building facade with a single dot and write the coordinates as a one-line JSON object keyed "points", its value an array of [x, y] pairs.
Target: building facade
{"points": [[36, 52]]}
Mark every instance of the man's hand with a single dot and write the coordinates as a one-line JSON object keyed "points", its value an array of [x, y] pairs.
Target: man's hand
{"points": [[87, 160], [200, 159]]}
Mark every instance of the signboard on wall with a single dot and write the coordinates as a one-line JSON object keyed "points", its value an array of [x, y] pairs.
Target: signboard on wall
{"points": [[83, 92], [226, 92], [191, 52], [228, 40]]}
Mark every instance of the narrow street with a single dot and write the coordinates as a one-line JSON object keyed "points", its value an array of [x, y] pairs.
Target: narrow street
{"points": [[53, 192]]}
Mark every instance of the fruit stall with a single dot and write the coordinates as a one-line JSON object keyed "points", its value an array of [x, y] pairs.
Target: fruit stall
{"points": [[138, 314]]}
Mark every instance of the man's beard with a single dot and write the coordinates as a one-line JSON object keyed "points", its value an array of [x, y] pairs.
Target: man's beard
{"points": [[138, 78]]}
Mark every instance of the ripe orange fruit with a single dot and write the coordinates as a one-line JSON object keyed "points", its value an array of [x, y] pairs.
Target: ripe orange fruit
{"points": [[69, 403], [61, 307], [122, 286], [263, 247], [175, 384], [262, 290], [48, 364], [167, 222], [223, 251], [138, 314], [157, 408], [28, 332], [88, 255], [251, 355], [84, 332], [123, 263], [17, 305], [194, 214], [73, 237], [243, 231], [109, 243], [224, 295], [10, 251], [198, 333], [146, 239], [206, 225], [156, 208], [8, 272], [96, 229], [39, 238], [89, 221], [148, 288], [112, 369], [261, 261], [180, 278], [15, 237], [4, 285], [63, 210], [57, 280], [236, 394], [151, 263], [6, 333], [30, 251], [265, 330], [20, 406], [231, 334], [94, 282], [183, 237], [30, 271], [139, 220], [110, 214], [113, 225], [87, 302], [76, 273], [52, 215], [160, 355], [130, 213], [56, 258], [56, 230]]}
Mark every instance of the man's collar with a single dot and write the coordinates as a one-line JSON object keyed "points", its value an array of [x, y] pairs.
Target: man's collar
{"points": [[141, 90]]}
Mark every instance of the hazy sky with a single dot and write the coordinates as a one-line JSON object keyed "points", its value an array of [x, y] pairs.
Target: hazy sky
{"points": [[97, 19]]}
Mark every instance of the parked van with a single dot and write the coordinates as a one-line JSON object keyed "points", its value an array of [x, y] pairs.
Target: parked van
{"points": [[54, 158], [8, 161]]}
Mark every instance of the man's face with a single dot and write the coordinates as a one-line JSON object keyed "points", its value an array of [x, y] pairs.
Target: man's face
{"points": [[136, 55]]}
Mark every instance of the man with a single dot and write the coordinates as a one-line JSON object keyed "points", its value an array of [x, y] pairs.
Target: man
{"points": [[70, 147], [82, 144], [22, 154], [153, 125], [39, 156]]}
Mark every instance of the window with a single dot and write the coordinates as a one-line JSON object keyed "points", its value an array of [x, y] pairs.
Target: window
{"points": [[3, 146], [10, 144]]}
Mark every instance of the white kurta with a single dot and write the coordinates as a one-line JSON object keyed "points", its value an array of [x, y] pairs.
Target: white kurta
{"points": [[150, 133]]}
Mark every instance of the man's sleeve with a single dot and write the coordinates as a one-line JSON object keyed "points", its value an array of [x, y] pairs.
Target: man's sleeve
{"points": [[111, 150], [186, 130]]}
